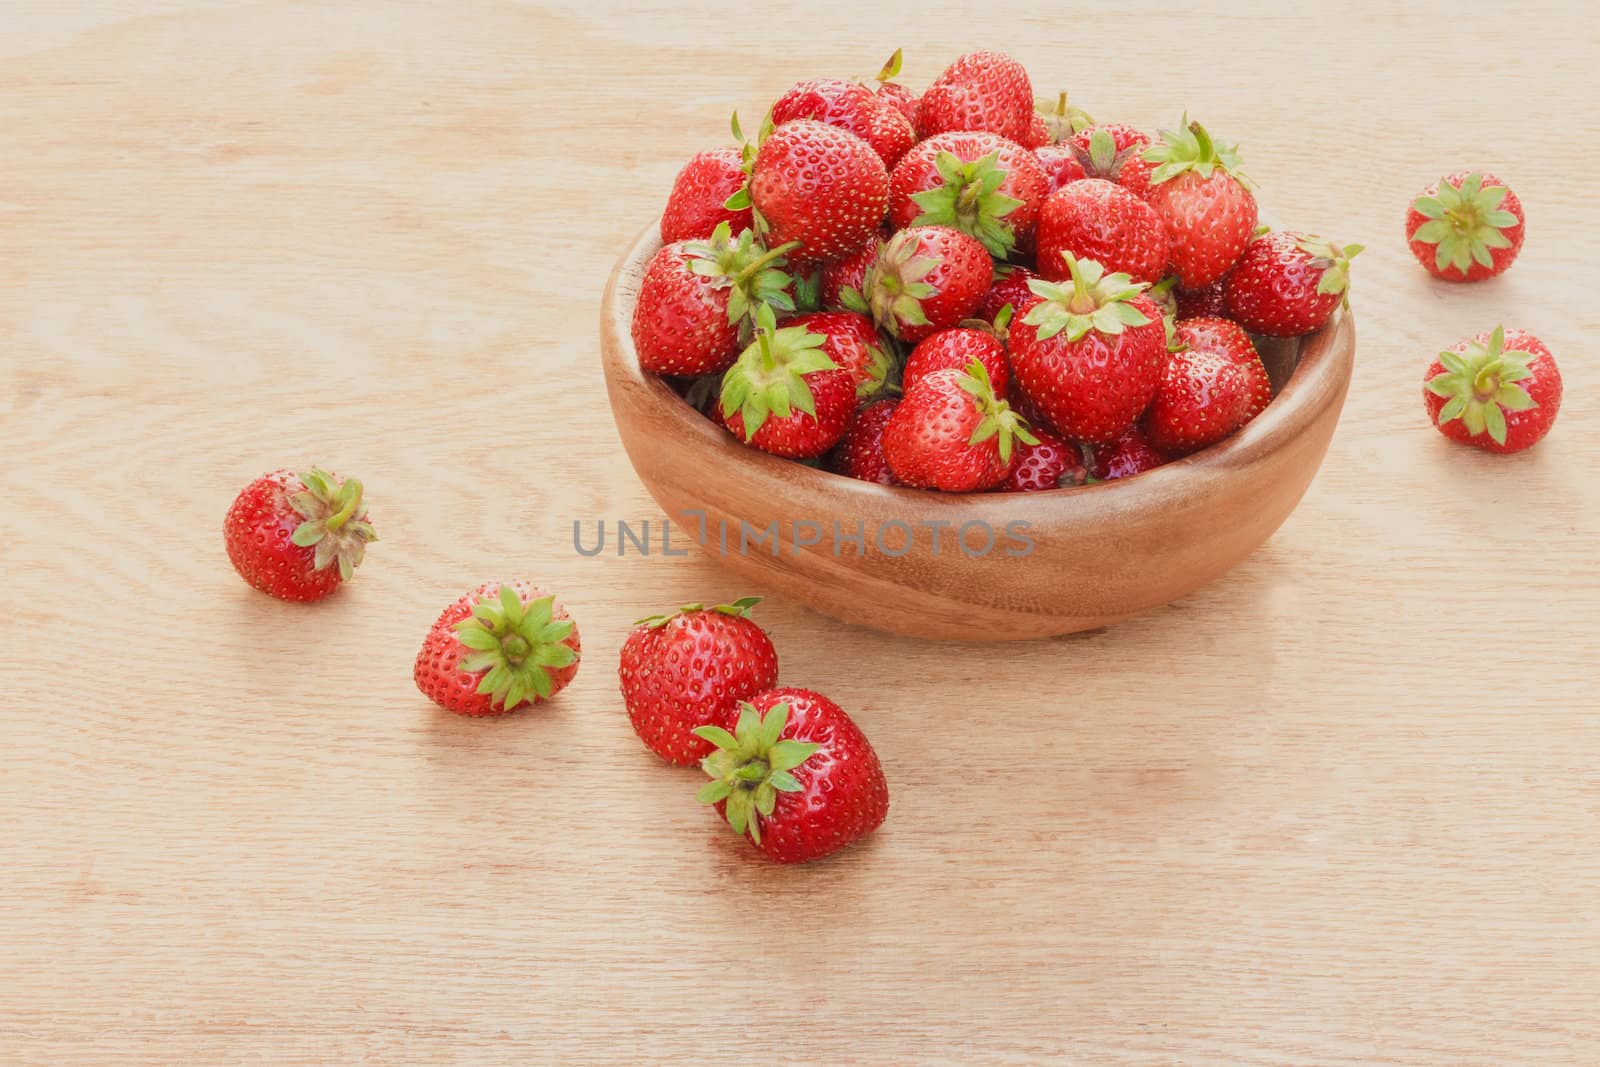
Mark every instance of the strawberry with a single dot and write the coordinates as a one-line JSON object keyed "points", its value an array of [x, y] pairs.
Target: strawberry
{"points": [[1203, 397], [1287, 284], [285, 532], [849, 106], [1061, 165], [690, 669], [979, 91], [1114, 152], [1057, 120], [818, 185], [951, 432], [497, 648], [1038, 134], [849, 273], [695, 207], [1198, 190], [1206, 302], [1053, 463], [1089, 357], [955, 349], [1229, 339], [697, 300], [1130, 454], [1498, 391], [1096, 219], [1010, 289], [852, 342], [925, 279], [784, 395], [859, 453], [978, 183], [796, 774], [894, 94], [1465, 227]]}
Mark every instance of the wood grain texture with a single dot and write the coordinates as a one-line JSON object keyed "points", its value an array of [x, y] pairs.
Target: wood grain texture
{"points": [[971, 567], [1337, 808]]}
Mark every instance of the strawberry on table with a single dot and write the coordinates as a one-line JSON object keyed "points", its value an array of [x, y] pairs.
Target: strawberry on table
{"points": [[1061, 165], [1229, 339], [859, 453], [1089, 357], [925, 279], [498, 647], [1465, 227], [297, 537], [852, 342], [796, 775], [1198, 190], [1499, 391], [849, 106], [893, 93], [1058, 119], [1099, 220], [817, 185], [978, 183], [979, 91], [690, 669], [1052, 463], [953, 433], [784, 395], [955, 349], [698, 299], [1203, 397], [1286, 284], [697, 203]]}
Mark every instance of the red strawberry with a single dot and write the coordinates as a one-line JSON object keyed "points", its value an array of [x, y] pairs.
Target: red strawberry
{"points": [[951, 432], [978, 183], [796, 774], [1053, 463], [1204, 396], [1205, 302], [1197, 190], [692, 669], [979, 91], [1010, 288], [1229, 339], [1114, 152], [859, 453], [1038, 134], [1061, 165], [1094, 219], [849, 106], [925, 279], [1287, 284], [955, 349], [1058, 120], [1089, 357], [849, 273], [285, 532], [1465, 227], [852, 342], [785, 395], [695, 207], [821, 186], [1498, 391], [894, 94], [1128, 455], [497, 648], [697, 298]]}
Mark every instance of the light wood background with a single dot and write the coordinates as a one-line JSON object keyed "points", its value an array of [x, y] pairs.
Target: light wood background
{"points": [[1338, 808]]}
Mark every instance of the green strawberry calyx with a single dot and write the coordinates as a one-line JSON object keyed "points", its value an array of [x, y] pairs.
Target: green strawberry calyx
{"points": [[751, 272], [891, 68], [1464, 222], [881, 366], [1096, 301], [968, 199], [895, 285], [739, 609], [1333, 261], [769, 376], [751, 766], [515, 645], [998, 419], [1479, 385], [1062, 119], [1190, 148], [335, 521]]}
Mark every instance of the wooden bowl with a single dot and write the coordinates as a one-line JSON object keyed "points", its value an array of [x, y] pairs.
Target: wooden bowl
{"points": [[1099, 554]]}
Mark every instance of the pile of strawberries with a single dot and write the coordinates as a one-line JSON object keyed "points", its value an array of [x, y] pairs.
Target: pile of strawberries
{"points": [[960, 291]]}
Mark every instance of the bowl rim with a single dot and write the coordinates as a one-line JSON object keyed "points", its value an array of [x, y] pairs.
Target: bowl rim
{"points": [[1325, 357]]}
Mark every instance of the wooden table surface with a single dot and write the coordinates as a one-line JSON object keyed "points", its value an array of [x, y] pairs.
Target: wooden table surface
{"points": [[1338, 808]]}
